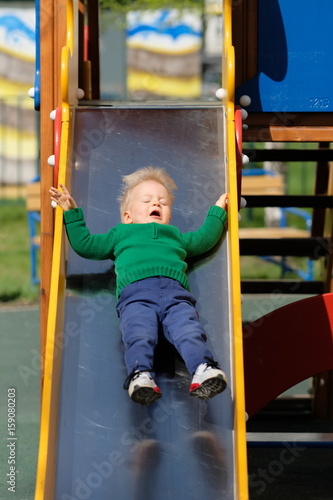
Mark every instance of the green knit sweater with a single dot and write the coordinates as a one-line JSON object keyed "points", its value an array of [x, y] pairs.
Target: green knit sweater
{"points": [[145, 250]]}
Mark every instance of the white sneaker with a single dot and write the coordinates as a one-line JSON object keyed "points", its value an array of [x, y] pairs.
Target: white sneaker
{"points": [[143, 389], [208, 381]]}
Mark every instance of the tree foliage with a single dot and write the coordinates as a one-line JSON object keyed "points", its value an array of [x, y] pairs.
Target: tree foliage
{"points": [[123, 6]]}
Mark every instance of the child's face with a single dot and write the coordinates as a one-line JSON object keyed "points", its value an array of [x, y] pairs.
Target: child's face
{"points": [[149, 201]]}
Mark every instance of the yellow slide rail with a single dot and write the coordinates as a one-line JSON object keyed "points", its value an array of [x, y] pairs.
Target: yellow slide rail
{"points": [[49, 408], [228, 83]]}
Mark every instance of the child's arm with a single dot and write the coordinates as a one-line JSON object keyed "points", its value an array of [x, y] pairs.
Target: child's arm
{"points": [[90, 246], [62, 198], [203, 239]]}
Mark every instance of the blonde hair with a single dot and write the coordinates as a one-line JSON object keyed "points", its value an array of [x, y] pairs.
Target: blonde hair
{"points": [[142, 175]]}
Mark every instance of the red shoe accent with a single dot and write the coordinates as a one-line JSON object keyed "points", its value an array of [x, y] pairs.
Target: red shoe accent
{"points": [[156, 389], [193, 387]]}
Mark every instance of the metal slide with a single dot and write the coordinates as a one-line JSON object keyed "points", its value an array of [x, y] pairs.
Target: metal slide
{"points": [[107, 446]]}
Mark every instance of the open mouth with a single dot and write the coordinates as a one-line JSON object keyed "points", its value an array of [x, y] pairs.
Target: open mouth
{"points": [[155, 213]]}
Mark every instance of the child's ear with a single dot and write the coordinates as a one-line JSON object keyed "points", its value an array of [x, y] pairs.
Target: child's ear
{"points": [[127, 218]]}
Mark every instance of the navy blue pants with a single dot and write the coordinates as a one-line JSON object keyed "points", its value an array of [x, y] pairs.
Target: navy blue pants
{"points": [[145, 305]]}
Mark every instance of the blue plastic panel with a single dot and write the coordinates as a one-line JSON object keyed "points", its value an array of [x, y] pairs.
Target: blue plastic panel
{"points": [[295, 57]]}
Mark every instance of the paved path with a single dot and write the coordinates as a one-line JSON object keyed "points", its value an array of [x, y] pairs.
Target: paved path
{"points": [[19, 370]]}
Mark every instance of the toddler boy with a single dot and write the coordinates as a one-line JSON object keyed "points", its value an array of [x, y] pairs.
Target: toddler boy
{"points": [[152, 287]]}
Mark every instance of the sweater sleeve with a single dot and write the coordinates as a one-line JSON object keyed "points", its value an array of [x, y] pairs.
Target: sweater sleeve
{"points": [[206, 237], [89, 246]]}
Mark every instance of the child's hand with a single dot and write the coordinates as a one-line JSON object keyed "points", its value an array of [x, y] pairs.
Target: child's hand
{"points": [[223, 201], [62, 198]]}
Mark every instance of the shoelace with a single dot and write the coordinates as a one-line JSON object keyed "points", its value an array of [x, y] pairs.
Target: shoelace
{"points": [[211, 362], [135, 373], [132, 376]]}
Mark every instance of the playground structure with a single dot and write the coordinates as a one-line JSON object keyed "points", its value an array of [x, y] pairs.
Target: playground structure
{"points": [[78, 420], [18, 119], [276, 66]]}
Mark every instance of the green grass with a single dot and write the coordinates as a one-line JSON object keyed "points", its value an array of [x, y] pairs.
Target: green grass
{"points": [[15, 255]]}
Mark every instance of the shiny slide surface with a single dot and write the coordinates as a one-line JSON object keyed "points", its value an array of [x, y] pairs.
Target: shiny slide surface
{"points": [[107, 446]]}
